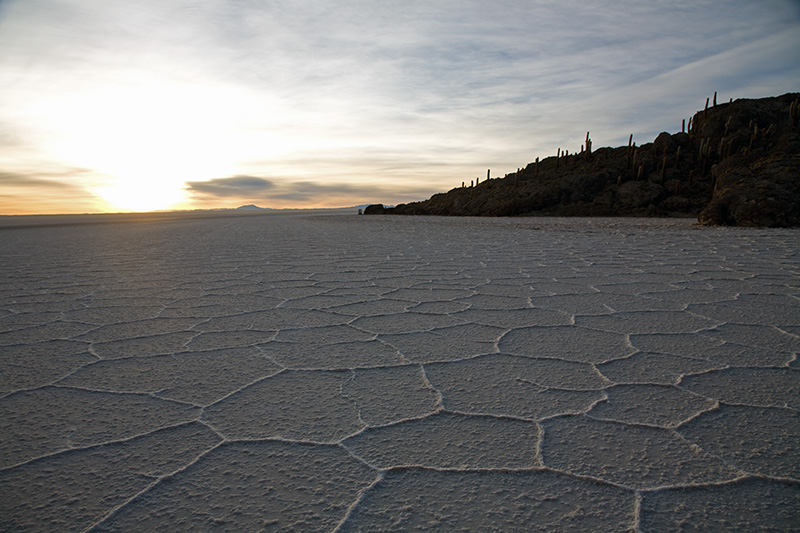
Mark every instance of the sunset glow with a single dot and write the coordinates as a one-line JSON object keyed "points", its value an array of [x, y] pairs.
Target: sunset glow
{"points": [[108, 106], [148, 139]]}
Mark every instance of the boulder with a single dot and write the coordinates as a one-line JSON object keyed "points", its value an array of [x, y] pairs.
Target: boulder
{"points": [[766, 193], [375, 209]]}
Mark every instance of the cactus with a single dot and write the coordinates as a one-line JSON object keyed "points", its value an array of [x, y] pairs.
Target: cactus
{"points": [[677, 157], [588, 146], [753, 137], [727, 125], [794, 112], [715, 99], [537, 166], [488, 174], [683, 125], [628, 158], [705, 152]]}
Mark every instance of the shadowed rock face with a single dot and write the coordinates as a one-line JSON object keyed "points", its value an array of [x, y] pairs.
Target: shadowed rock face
{"points": [[737, 165], [375, 209]]}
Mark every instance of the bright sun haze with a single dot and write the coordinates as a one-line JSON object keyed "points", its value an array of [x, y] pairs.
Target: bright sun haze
{"points": [[146, 140]]}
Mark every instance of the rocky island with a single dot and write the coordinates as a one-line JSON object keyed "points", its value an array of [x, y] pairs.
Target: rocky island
{"points": [[734, 163]]}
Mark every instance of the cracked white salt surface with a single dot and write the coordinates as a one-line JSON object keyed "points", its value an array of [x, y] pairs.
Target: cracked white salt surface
{"points": [[328, 372]]}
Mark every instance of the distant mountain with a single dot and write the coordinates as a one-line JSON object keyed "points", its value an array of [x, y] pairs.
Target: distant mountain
{"points": [[252, 207], [737, 163]]}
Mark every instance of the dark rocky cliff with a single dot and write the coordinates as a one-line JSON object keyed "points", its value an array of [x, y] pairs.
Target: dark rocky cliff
{"points": [[738, 163]]}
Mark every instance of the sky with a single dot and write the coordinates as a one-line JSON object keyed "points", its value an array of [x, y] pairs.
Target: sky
{"points": [[138, 105]]}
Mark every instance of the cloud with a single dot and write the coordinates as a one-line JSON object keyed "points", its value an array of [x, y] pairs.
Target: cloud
{"points": [[305, 191], [287, 192], [758, 68], [45, 191], [236, 186], [327, 194], [12, 179], [46, 177]]}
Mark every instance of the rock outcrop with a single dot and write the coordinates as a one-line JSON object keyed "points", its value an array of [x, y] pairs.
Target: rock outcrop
{"points": [[375, 209], [737, 163]]}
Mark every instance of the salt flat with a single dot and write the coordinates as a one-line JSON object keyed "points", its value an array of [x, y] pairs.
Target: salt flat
{"points": [[334, 372]]}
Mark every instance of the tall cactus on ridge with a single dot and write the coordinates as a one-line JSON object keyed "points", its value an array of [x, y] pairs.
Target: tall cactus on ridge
{"points": [[588, 145]]}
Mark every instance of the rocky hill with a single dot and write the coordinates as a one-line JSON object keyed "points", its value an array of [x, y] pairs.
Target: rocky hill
{"points": [[735, 163]]}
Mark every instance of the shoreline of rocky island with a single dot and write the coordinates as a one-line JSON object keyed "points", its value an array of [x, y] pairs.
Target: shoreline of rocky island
{"points": [[735, 163]]}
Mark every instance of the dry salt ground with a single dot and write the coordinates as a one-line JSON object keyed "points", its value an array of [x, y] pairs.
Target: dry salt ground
{"points": [[335, 372]]}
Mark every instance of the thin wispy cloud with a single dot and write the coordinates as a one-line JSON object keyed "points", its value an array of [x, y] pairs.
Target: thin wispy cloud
{"points": [[233, 186], [287, 193], [370, 98], [47, 190]]}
